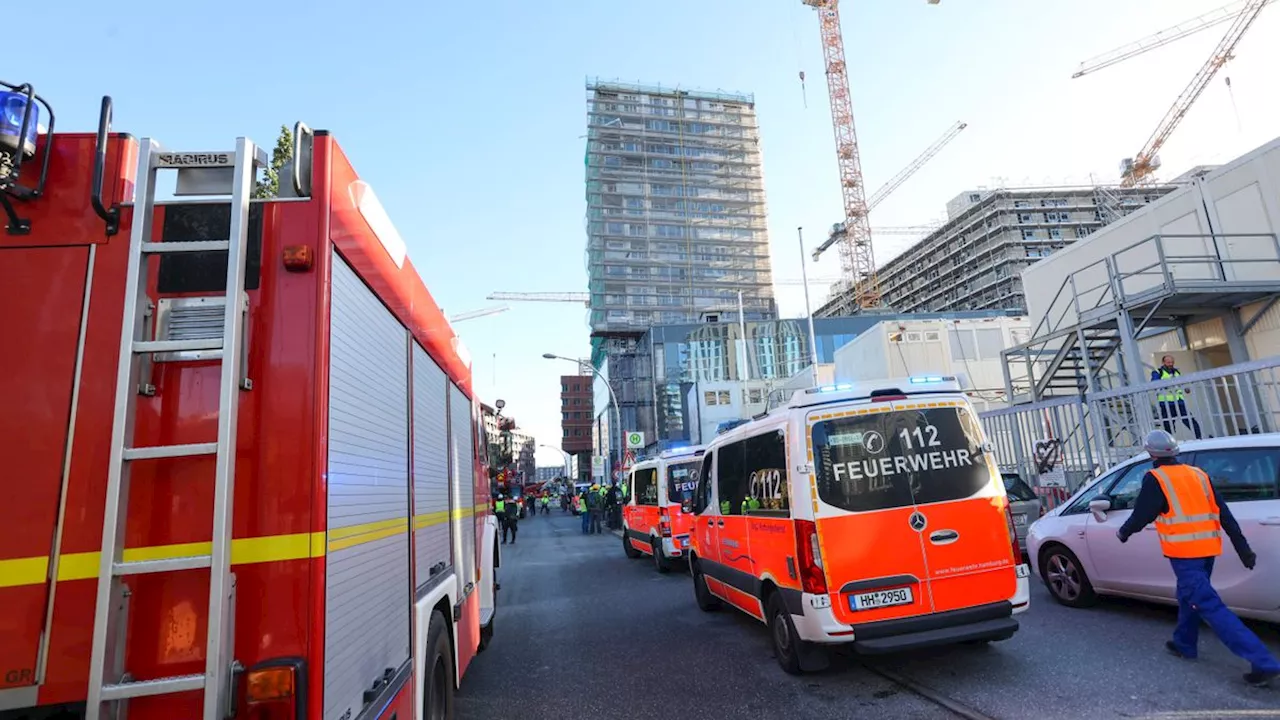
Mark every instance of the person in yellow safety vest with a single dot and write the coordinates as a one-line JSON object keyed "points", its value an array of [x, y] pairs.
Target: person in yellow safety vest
{"points": [[750, 503], [1190, 518], [1172, 400], [582, 511]]}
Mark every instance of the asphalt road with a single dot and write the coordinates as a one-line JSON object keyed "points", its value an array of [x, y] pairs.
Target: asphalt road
{"points": [[583, 632]]}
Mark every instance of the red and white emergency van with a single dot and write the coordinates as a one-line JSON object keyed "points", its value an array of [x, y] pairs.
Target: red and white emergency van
{"points": [[654, 521], [244, 473], [871, 514]]}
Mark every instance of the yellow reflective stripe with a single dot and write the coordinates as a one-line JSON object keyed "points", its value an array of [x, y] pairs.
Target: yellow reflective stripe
{"points": [[244, 551], [353, 535], [347, 531], [426, 520], [23, 571]]}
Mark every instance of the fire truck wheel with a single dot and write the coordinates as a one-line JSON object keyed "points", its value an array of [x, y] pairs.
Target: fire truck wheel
{"points": [[706, 601], [438, 700], [786, 642], [627, 547], [660, 561]]}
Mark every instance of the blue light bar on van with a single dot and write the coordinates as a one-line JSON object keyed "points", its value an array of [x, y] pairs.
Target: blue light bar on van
{"points": [[924, 379], [830, 388]]}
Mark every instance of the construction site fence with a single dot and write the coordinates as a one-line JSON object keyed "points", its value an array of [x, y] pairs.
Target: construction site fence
{"points": [[1057, 445]]}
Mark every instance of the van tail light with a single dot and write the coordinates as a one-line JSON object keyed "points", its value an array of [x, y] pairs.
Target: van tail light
{"points": [[664, 522], [277, 690], [812, 579], [1013, 533]]}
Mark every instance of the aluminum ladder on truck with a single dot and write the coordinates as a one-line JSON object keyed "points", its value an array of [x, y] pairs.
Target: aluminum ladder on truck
{"points": [[110, 683]]}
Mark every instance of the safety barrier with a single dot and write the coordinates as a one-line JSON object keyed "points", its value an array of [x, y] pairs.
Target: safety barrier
{"points": [[1056, 445]]}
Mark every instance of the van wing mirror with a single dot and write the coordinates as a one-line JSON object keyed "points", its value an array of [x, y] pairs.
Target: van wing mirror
{"points": [[1099, 507]]}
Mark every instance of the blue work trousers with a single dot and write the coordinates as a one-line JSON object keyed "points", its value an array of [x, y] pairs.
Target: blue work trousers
{"points": [[1197, 600], [586, 520]]}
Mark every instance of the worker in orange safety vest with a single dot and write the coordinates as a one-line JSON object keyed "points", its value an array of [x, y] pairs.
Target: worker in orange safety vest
{"points": [[1190, 518]]}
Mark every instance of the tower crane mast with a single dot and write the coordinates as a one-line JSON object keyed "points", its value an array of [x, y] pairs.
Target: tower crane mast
{"points": [[857, 259], [1136, 170]]}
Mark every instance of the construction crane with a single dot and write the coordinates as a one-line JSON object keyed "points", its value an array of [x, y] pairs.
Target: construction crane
{"points": [[1183, 29], [1139, 168], [857, 260], [472, 314], [897, 180]]}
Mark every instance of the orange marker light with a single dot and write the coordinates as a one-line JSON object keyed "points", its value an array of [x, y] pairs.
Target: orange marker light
{"points": [[270, 684], [298, 258]]}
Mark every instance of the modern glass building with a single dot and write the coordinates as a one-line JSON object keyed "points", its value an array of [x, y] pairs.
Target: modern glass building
{"points": [[669, 360]]}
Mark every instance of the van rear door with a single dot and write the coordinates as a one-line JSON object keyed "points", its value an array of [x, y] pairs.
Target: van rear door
{"points": [[908, 499], [960, 502], [874, 560]]}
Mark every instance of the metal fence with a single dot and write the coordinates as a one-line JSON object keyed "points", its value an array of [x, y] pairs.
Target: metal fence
{"points": [[1056, 445]]}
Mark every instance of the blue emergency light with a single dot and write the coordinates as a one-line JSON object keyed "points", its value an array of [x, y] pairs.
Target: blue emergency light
{"points": [[15, 109], [923, 379]]}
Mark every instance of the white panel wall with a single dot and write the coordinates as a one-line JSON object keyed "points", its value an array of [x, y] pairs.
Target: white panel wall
{"points": [[1178, 213], [431, 537], [367, 585], [1241, 198], [462, 449]]}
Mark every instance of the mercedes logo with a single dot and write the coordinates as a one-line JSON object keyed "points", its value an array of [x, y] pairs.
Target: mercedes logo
{"points": [[873, 442], [918, 521]]}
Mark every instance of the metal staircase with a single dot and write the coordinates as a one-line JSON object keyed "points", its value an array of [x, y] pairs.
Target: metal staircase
{"points": [[110, 682], [1088, 335]]}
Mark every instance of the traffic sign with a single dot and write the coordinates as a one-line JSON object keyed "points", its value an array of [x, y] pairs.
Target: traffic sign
{"points": [[635, 440]]}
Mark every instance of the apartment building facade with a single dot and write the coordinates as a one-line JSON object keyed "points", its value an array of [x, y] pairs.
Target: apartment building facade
{"points": [[975, 260]]}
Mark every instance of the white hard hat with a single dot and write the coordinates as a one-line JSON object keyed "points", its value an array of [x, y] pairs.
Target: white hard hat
{"points": [[1160, 444]]}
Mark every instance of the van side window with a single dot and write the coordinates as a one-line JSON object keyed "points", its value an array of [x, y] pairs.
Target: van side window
{"points": [[766, 472], [731, 477], [702, 494], [646, 486]]}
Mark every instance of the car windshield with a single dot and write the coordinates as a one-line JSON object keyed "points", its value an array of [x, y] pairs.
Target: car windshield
{"points": [[1016, 489], [682, 478], [899, 458]]}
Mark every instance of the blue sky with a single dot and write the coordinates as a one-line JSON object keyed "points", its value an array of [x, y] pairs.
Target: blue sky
{"points": [[467, 117]]}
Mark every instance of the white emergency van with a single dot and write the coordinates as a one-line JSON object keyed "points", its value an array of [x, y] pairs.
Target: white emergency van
{"points": [[871, 514]]}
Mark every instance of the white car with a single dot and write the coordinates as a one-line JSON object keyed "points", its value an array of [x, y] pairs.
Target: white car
{"points": [[1079, 556]]}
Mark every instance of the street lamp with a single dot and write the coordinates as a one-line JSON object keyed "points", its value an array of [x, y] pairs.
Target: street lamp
{"points": [[568, 462], [617, 408]]}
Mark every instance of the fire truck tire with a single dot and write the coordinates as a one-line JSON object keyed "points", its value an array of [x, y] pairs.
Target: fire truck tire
{"points": [[660, 562], [706, 601], [438, 698], [627, 547]]}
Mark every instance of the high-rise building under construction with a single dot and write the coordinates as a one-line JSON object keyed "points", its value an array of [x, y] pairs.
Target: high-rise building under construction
{"points": [[675, 207], [676, 228]]}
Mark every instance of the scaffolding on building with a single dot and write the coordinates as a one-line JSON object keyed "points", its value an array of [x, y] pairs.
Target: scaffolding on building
{"points": [[675, 207]]}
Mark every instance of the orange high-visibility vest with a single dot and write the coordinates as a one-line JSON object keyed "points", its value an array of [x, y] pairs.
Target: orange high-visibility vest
{"points": [[1191, 528]]}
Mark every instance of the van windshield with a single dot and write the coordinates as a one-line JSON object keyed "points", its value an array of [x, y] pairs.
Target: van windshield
{"points": [[682, 479], [899, 458]]}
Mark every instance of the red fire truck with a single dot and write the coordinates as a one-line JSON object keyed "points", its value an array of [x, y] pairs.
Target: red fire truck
{"points": [[244, 473]]}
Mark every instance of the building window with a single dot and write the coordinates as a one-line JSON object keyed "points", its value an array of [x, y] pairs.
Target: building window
{"points": [[724, 398], [1028, 234], [1025, 218], [1055, 233], [709, 398]]}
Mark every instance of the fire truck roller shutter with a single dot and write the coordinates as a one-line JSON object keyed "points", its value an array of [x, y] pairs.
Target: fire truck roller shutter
{"points": [[432, 545], [463, 451], [367, 582]]}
